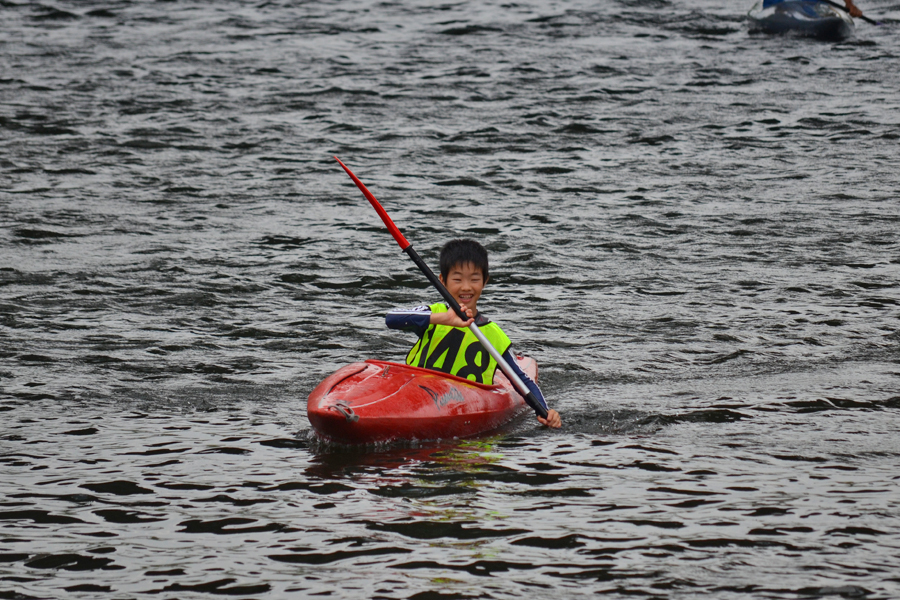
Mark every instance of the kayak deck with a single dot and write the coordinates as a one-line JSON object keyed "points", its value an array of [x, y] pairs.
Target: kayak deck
{"points": [[378, 401]]}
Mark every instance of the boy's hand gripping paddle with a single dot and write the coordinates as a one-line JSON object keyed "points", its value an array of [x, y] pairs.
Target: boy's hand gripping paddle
{"points": [[529, 396], [844, 8]]}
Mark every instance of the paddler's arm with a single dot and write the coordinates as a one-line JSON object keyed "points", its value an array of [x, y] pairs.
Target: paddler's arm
{"points": [[553, 420], [852, 9], [418, 319], [409, 319]]}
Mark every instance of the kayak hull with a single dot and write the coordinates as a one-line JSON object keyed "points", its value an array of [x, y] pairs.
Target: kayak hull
{"points": [[378, 401], [806, 18]]}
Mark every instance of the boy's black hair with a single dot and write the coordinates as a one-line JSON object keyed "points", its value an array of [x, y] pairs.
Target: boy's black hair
{"points": [[460, 252]]}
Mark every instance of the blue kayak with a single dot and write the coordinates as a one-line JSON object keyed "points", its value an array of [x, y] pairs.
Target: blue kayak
{"points": [[807, 18]]}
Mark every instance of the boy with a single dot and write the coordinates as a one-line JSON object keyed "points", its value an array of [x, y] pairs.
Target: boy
{"points": [[464, 272]]}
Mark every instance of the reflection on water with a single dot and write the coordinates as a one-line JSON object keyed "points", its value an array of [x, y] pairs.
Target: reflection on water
{"points": [[236, 500]]}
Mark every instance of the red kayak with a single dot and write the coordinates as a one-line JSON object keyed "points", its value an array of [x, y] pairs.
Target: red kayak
{"points": [[379, 401]]}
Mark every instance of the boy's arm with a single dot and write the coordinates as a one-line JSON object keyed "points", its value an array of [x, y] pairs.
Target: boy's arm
{"points": [[852, 9], [418, 319], [552, 419], [409, 319]]}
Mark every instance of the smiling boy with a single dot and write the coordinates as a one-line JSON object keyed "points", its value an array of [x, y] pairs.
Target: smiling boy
{"points": [[444, 342]]}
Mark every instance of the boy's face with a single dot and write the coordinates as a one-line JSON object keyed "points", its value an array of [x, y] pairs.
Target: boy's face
{"points": [[465, 283]]}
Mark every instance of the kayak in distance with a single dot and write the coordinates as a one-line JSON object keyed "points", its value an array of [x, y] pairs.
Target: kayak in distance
{"points": [[376, 401], [806, 18]]}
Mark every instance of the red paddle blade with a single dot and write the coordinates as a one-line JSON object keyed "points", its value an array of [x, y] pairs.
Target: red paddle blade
{"points": [[378, 208]]}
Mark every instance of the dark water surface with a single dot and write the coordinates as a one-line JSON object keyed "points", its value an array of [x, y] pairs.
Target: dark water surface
{"points": [[693, 230]]}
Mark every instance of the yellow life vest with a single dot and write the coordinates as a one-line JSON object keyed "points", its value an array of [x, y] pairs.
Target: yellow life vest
{"points": [[456, 350]]}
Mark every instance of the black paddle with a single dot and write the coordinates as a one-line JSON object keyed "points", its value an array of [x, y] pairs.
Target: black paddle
{"points": [[520, 386]]}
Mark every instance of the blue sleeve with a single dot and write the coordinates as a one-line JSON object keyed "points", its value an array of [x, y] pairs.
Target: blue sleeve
{"points": [[409, 319], [531, 385]]}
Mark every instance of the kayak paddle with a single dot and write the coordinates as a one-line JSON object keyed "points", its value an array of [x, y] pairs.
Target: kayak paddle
{"points": [[520, 386], [844, 8]]}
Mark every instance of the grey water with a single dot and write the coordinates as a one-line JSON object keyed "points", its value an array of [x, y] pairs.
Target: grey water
{"points": [[693, 230]]}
